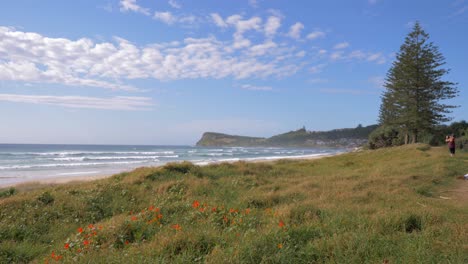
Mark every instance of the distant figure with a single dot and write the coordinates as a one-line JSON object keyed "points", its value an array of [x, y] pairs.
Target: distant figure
{"points": [[451, 144]]}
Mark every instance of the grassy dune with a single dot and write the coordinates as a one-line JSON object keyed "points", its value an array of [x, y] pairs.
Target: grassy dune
{"points": [[364, 207]]}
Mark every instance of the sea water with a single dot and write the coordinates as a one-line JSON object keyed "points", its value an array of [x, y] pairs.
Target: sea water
{"points": [[26, 162]]}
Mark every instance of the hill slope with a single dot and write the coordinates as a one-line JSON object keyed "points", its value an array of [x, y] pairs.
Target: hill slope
{"points": [[346, 137], [363, 207]]}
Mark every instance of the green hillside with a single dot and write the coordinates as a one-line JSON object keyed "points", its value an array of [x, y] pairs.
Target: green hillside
{"points": [[393, 205], [346, 137]]}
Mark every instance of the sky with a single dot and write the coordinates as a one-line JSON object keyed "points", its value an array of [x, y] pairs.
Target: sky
{"points": [[162, 72]]}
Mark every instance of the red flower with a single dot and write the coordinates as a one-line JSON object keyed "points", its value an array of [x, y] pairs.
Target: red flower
{"points": [[90, 226], [160, 216], [100, 227], [67, 246], [177, 227], [86, 242], [213, 209], [134, 218], [151, 208], [126, 242], [80, 230], [281, 224], [195, 204], [225, 219], [247, 211], [201, 209]]}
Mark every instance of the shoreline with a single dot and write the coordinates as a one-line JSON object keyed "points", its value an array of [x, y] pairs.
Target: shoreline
{"points": [[50, 181]]}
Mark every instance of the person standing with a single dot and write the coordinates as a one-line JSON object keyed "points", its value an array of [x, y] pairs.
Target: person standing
{"points": [[451, 144]]}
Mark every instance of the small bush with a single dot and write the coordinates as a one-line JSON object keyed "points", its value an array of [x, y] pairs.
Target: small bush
{"points": [[413, 223], [385, 136], [7, 193], [46, 198]]}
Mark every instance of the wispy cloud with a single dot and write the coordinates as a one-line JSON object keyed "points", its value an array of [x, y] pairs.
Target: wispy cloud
{"points": [[295, 30], [113, 103], [342, 45], [131, 5], [377, 81], [175, 4], [317, 68], [256, 88], [372, 2], [346, 91], [315, 35]]}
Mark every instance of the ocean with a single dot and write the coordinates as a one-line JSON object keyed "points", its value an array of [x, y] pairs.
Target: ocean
{"points": [[28, 162]]}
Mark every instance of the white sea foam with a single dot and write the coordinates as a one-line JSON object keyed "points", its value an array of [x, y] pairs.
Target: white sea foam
{"points": [[56, 165], [87, 158]]}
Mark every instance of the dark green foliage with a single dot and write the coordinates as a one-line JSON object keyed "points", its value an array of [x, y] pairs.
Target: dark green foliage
{"points": [[8, 192], [412, 223], [415, 91], [385, 136], [296, 138], [46, 198]]}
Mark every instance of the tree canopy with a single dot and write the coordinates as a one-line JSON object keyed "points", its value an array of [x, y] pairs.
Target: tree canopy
{"points": [[414, 99]]}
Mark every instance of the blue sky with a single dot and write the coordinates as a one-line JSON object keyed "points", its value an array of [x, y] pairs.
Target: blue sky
{"points": [[164, 71]]}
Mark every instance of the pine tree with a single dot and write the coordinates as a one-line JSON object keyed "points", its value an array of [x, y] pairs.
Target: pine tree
{"points": [[415, 90]]}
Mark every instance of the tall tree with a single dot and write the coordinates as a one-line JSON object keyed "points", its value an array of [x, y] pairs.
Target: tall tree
{"points": [[415, 90]]}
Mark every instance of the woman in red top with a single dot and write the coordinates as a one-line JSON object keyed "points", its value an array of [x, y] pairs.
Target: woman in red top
{"points": [[451, 144]]}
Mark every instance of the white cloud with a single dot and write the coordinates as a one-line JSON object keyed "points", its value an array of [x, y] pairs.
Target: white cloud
{"points": [[218, 20], [372, 2], [376, 57], [165, 17], [377, 81], [254, 3], [346, 91], [114, 103], [256, 88], [317, 68], [262, 49], [336, 55], [131, 5], [322, 52], [342, 45], [31, 57], [315, 35], [295, 30], [272, 25], [175, 4]]}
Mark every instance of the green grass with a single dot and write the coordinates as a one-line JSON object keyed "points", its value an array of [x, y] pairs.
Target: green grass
{"points": [[363, 207]]}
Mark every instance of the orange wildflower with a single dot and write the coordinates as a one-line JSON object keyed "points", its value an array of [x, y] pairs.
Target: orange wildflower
{"points": [[233, 210], [90, 226], [177, 227], [126, 242], [86, 242], [160, 216], [67, 246], [195, 204], [100, 227], [80, 230], [202, 209], [281, 224], [134, 218], [78, 250], [280, 246], [247, 211], [225, 219], [213, 209]]}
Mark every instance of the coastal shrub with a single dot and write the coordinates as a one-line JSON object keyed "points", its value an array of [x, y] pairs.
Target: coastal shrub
{"points": [[412, 223], [46, 198], [385, 136], [8, 192]]}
